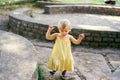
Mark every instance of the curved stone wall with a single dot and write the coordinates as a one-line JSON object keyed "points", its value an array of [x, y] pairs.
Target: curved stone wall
{"points": [[25, 25]]}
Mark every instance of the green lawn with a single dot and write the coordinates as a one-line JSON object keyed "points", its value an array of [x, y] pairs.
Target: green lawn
{"points": [[14, 4], [5, 2], [118, 3]]}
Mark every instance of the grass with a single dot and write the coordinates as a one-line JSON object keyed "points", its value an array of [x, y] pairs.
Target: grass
{"points": [[14, 4], [40, 73], [98, 1], [118, 3], [5, 2], [17, 5]]}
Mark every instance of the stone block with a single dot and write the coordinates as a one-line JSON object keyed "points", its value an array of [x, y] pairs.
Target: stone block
{"points": [[30, 34], [107, 39], [34, 30], [95, 34], [103, 44], [118, 35], [97, 39], [117, 40], [24, 24], [89, 38], [36, 26], [28, 29]]}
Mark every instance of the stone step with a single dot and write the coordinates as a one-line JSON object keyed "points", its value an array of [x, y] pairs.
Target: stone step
{"points": [[17, 57]]}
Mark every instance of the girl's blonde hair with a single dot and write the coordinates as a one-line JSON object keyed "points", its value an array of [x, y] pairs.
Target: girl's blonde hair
{"points": [[64, 23]]}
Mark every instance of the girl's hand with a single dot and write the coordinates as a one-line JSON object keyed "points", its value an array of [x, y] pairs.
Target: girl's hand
{"points": [[81, 36], [51, 27]]}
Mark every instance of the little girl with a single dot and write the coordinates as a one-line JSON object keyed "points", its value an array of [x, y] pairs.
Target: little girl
{"points": [[61, 58]]}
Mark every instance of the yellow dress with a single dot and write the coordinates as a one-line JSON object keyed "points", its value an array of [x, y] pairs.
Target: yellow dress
{"points": [[61, 58]]}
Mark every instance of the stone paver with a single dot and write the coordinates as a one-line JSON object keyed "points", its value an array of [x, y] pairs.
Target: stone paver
{"points": [[116, 75], [92, 66], [114, 60]]}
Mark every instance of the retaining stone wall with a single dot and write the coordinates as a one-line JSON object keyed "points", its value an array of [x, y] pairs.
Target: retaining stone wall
{"points": [[94, 9], [29, 27], [42, 4]]}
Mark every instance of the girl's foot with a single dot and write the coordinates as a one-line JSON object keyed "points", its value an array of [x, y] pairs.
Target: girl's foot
{"points": [[51, 76], [64, 77], [52, 72]]}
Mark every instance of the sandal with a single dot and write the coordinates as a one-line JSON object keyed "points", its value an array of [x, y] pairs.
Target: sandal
{"points": [[51, 76]]}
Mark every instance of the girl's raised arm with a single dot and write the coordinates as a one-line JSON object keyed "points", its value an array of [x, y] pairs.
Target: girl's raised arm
{"points": [[50, 36], [76, 41]]}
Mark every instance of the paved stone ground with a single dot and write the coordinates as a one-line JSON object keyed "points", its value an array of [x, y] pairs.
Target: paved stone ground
{"points": [[90, 64]]}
